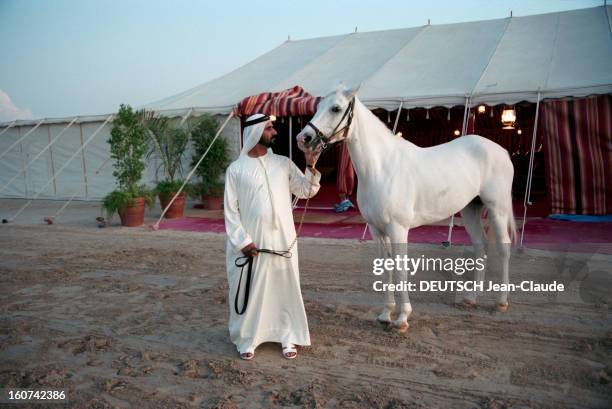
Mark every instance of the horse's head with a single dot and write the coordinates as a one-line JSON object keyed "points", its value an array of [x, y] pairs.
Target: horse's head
{"points": [[331, 122]]}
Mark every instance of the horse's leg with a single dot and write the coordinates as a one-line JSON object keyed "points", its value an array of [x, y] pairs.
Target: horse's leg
{"points": [[384, 251], [499, 224], [472, 221], [398, 235]]}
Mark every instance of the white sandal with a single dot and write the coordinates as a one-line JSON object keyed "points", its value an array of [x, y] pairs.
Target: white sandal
{"points": [[289, 351]]}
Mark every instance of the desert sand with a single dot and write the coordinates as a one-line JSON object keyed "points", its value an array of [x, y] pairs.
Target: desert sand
{"points": [[131, 318]]}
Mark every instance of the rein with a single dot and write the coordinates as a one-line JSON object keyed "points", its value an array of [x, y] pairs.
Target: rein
{"points": [[325, 140], [247, 261]]}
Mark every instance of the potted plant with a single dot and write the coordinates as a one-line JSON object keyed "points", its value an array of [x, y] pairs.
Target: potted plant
{"points": [[127, 147], [169, 143], [212, 167]]}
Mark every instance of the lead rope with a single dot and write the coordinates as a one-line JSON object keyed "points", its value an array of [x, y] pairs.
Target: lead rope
{"points": [[299, 230], [247, 261]]}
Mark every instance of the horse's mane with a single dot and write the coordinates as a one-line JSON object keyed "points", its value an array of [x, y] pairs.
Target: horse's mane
{"points": [[373, 125]]}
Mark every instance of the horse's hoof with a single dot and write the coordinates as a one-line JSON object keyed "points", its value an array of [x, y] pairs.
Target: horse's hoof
{"points": [[383, 321], [466, 303], [502, 307], [401, 328]]}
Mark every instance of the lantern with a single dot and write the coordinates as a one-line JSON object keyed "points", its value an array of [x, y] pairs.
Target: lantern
{"points": [[481, 109], [508, 118]]}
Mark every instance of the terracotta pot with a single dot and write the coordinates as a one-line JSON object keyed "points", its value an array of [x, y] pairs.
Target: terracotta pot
{"points": [[212, 202], [178, 206], [133, 216]]}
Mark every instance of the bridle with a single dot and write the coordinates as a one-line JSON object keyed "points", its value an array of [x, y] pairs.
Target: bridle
{"points": [[323, 139]]}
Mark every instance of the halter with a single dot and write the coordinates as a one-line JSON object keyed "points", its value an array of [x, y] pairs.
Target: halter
{"points": [[325, 140]]}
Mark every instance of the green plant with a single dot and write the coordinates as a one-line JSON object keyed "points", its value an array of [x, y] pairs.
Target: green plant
{"points": [[128, 145], [117, 200], [168, 188], [214, 164], [168, 142]]}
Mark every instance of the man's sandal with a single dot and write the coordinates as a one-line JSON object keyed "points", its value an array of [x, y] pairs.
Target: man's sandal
{"points": [[289, 351], [248, 355]]}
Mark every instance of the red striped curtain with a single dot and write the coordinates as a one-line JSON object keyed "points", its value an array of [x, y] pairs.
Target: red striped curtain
{"points": [[345, 180], [578, 147]]}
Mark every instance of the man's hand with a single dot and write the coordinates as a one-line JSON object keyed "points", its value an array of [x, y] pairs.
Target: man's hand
{"points": [[312, 156], [250, 250]]}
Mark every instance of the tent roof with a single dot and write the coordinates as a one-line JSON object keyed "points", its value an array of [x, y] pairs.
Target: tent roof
{"points": [[495, 61], [564, 54]]}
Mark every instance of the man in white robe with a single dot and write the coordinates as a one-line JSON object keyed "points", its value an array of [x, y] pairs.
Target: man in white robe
{"points": [[258, 215]]}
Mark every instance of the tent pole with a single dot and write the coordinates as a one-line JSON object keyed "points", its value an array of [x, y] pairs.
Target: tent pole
{"points": [[40, 154], [451, 223], [527, 199], [9, 126], [84, 164], [96, 173], [156, 225], [399, 111], [186, 116], [365, 230], [290, 138], [62, 168], [52, 161], [18, 141], [23, 165]]}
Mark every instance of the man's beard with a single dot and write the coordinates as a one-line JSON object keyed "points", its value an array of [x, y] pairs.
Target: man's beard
{"points": [[267, 144]]}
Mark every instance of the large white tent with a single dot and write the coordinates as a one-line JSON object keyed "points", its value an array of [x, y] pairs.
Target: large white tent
{"points": [[495, 61]]}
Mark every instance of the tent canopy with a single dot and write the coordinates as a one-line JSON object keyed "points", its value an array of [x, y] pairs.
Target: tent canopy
{"points": [[494, 61]]}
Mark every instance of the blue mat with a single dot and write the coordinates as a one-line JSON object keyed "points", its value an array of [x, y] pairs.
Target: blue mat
{"points": [[581, 218]]}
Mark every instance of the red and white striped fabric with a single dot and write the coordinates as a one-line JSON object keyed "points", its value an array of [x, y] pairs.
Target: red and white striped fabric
{"points": [[290, 102], [578, 146]]}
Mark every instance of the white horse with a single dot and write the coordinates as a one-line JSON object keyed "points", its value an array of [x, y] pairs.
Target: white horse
{"points": [[402, 186]]}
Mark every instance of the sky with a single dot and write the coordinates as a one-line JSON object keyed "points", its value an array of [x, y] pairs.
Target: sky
{"points": [[63, 58]]}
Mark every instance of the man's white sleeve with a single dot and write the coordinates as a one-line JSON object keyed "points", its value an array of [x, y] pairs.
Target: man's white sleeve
{"points": [[303, 186], [233, 225]]}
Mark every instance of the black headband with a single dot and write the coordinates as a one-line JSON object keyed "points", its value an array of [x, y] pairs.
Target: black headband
{"points": [[257, 121]]}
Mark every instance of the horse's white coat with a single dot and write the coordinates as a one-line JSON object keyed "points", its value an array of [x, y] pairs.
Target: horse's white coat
{"points": [[402, 186]]}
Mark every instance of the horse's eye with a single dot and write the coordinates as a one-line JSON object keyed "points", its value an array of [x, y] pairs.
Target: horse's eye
{"points": [[335, 109]]}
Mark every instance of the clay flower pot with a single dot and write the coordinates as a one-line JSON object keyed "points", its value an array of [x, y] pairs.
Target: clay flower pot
{"points": [[212, 202], [178, 206], [133, 215]]}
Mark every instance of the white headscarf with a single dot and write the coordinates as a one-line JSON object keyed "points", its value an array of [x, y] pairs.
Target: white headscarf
{"points": [[252, 134]]}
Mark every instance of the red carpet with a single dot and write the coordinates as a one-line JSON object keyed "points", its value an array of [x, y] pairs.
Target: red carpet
{"points": [[539, 233], [328, 196]]}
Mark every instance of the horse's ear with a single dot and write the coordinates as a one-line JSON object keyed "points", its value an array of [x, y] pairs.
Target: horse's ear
{"points": [[350, 93]]}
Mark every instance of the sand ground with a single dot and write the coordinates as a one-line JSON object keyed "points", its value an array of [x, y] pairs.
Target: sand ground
{"points": [[129, 318]]}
